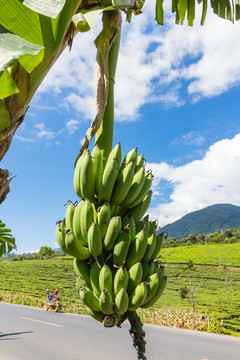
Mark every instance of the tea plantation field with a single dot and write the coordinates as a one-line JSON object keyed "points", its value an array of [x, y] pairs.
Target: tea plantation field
{"points": [[216, 255], [204, 296]]}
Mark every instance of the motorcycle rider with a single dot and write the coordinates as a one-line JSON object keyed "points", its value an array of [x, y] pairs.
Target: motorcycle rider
{"points": [[51, 296], [53, 300]]}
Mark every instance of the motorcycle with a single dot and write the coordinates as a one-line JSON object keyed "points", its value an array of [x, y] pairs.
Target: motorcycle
{"points": [[53, 302]]}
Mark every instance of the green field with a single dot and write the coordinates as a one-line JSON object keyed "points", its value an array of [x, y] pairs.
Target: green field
{"points": [[28, 280], [212, 303], [217, 255]]}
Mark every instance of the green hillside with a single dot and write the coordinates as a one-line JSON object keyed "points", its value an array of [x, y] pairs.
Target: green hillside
{"points": [[205, 221]]}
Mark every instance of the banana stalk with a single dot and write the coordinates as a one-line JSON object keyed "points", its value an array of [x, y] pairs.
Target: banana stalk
{"points": [[104, 135], [137, 333], [108, 43]]}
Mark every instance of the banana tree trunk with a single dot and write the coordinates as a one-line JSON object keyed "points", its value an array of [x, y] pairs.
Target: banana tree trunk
{"points": [[13, 108]]}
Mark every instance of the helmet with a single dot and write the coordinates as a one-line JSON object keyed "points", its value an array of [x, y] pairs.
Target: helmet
{"points": [[56, 291]]}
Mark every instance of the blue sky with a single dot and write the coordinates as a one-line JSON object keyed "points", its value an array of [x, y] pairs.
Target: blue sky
{"points": [[177, 100]]}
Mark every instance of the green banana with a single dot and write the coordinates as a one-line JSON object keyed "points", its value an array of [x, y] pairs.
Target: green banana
{"points": [[113, 230], [135, 276], [108, 180], [143, 224], [94, 240], [77, 222], [151, 285], [89, 299], [60, 236], [106, 279], [80, 282], [137, 249], [140, 162], [87, 177], [116, 153], [94, 206], [103, 217], [151, 244], [153, 226], [139, 210], [121, 302], [111, 320], [161, 286], [97, 315], [148, 269], [130, 157], [97, 159], [136, 187], [137, 297], [129, 221], [158, 247], [114, 210], [81, 269], [86, 220], [76, 176], [159, 269], [106, 302], [121, 247], [146, 187], [121, 279], [119, 211], [94, 277], [123, 184], [75, 248], [69, 215]]}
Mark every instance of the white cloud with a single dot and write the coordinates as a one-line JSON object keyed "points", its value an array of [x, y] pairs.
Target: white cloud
{"points": [[189, 139], [154, 63], [72, 126], [42, 107], [212, 179], [217, 70], [32, 251], [72, 78], [83, 104], [23, 139], [42, 132]]}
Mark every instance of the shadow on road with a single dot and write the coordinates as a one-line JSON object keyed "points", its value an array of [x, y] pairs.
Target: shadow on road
{"points": [[4, 336]]}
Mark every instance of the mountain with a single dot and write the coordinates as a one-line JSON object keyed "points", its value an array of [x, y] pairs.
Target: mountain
{"points": [[205, 221]]}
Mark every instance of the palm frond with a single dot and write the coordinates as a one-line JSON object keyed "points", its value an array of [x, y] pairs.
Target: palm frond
{"points": [[7, 241], [185, 9]]}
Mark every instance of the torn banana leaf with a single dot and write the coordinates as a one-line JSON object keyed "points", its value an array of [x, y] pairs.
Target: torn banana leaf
{"points": [[50, 8]]}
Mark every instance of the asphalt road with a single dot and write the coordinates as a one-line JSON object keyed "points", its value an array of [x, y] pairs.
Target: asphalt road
{"points": [[30, 333]]}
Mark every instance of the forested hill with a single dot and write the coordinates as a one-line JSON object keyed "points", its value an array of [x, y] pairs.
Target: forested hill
{"points": [[205, 221]]}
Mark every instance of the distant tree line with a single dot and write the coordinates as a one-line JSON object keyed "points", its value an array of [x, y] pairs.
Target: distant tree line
{"points": [[228, 236], [45, 252]]}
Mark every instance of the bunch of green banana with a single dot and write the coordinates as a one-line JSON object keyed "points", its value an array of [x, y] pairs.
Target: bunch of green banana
{"points": [[123, 183], [114, 245]]}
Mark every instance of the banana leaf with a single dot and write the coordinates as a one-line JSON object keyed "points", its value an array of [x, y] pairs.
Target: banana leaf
{"points": [[7, 242], [226, 9], [85, 19], [50, 8], [30, 37]]}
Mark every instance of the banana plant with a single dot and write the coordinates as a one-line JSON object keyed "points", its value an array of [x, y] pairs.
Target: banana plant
{"points": [[33, 34], [7, 242]]}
